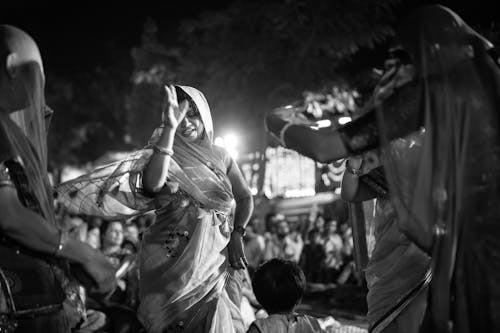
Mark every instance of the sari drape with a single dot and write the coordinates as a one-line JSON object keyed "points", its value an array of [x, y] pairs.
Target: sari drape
{"points": [[447, 200], [185, 282]]}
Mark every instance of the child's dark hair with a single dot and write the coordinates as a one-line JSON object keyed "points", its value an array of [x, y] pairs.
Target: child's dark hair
{"points": [[279, 285]]}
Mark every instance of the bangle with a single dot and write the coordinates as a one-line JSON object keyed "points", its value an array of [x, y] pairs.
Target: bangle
{"points": [[282, 134], [63, 238], [163, 150], [353, 171], [240, 229]]}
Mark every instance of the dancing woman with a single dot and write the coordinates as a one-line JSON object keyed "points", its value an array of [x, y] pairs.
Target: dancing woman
{"points": [[190, 256], [444, 185]]}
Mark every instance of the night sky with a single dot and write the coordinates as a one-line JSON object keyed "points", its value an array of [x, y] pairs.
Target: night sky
{"points": [[77, 36]]}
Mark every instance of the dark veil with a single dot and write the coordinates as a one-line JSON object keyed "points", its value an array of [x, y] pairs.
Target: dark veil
{"points": [[24, 131], [445, 177]]}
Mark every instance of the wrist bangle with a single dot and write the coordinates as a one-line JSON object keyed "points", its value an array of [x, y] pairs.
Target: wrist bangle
{"points": [[353, 171], [240, 229], [63, 238], [163, 150], [282, 134]]}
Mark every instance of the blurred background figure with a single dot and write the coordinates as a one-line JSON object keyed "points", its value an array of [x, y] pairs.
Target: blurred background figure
{"points": [[255, 245], [282, 244], [131, 235], [333, 245], [312, 259]]}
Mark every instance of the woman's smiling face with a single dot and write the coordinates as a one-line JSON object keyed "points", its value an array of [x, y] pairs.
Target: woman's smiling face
{"points": [[191, 127]]}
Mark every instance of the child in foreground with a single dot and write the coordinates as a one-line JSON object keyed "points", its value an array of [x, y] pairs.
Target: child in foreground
{"points": [[279, 285]]}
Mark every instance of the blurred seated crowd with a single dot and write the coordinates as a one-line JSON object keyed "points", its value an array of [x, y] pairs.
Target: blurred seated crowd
{"points": [[118, 241], [318, 244], [321, 246]]}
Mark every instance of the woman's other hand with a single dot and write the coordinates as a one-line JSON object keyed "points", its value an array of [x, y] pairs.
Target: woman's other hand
{"points": [[236, 253], [172, 112], [355, 162]]}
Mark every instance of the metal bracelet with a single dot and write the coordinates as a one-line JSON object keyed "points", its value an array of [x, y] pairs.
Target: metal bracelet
{"points": [[163, 150], [353, 171]]}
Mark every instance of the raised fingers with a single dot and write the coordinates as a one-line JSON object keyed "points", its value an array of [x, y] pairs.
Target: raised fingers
{"points": [[173, 95]]}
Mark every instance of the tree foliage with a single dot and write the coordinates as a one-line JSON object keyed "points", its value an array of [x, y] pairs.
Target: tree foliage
{"points": [[253, 56], [89, 113]]}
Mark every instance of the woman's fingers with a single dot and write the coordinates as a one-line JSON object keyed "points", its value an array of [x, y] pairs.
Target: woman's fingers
{"points": [[173, 95]]}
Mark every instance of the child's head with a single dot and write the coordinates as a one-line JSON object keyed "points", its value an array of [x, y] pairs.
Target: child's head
{"points": [[279, 285]]}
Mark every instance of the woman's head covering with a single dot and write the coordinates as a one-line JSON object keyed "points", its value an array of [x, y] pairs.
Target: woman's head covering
{"points": [[115, 191], [23, 110], [456, 84], [202, 105], [440, 173], [430, 30]]}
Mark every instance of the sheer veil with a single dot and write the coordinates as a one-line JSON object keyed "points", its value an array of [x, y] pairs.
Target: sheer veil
{"points": [[441, 176], [24, 130], [115, 191]]}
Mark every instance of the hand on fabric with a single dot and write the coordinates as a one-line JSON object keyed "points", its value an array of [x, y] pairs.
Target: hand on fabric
{"points": [[236, 253], [172, 112], [72, 315], [355, 162], [365, 162]]}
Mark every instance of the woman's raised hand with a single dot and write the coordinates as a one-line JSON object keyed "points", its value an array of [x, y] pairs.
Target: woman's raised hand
{"points": [[172, 112]]}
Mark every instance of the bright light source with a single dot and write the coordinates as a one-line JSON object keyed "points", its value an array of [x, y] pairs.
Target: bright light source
{"points": [[230, 141], [233, 152], [344, 120], [324, 123], [219, 141], [254, 191]]}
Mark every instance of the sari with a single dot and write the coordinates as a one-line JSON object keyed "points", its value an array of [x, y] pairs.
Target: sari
{"points": [[185, 281], [398, 272], [36, 289], [448, 198]]}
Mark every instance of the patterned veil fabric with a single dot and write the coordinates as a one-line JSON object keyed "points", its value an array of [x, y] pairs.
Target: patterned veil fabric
{"points": [[186, 283]]}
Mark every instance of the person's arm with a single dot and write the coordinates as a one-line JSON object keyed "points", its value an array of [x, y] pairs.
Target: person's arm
{"points": [[352, 189], [156, 171], [400, 116], [321, 146], [34, 232], [244, 209]]}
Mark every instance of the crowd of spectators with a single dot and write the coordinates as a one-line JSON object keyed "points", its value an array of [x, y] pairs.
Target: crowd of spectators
{"points": [[320, 245], [118, 241]]}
